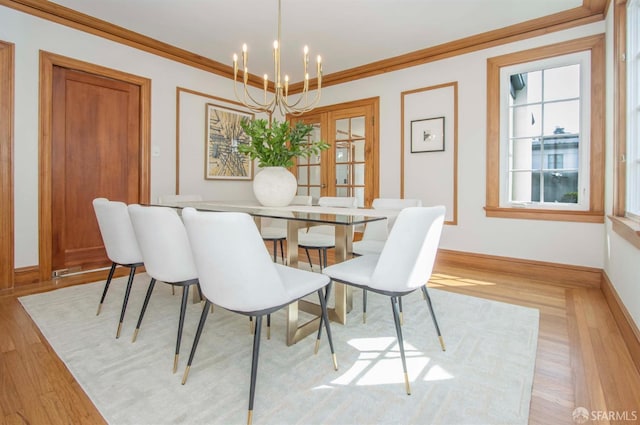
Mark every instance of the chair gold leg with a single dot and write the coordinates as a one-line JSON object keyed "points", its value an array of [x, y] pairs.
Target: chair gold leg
{"points": [[442, 343], [364, 317], [401, 318], [406, 383], [250, 417], [175, 363], [315, 350], [99, 308], [173, 290], [185, 375], [335, 361], [135, 335], [119, 329]]}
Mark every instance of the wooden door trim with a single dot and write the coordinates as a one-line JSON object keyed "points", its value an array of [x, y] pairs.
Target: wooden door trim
{"points": [[7, 55], [47, 62]]}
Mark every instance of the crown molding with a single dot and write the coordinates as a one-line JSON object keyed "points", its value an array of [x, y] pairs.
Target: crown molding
{"points": [[590, 11]]}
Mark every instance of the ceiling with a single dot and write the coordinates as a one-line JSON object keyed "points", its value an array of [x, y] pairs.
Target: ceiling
{"points": [[346, 33]]}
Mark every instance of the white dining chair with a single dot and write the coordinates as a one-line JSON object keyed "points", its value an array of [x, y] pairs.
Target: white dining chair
{"points": [[167, 258], [275, 230], [223, 244], [322, 237], [404, 265], [375, 235], [121, 245]]}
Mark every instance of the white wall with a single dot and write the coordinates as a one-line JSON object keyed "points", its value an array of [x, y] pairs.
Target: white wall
{"points": [[30, 35], [558, 242]]}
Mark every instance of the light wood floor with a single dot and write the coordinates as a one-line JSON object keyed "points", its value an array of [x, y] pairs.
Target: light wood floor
{"points": [[581, 358]]}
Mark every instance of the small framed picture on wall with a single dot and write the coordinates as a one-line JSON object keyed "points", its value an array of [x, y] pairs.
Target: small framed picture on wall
{"points": [[427, 135]]}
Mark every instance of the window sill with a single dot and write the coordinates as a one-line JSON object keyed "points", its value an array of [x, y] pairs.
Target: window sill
{"points": [[628, 229], [540, 214]]}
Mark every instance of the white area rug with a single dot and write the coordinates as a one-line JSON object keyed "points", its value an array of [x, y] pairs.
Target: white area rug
{"points": [[484, 377]]}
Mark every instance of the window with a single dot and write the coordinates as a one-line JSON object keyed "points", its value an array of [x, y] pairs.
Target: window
{"points": [[633, 108], [545, 133], [544, 118], [625, 219]]}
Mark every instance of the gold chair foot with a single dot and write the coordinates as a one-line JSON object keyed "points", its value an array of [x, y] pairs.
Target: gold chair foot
{"points": [[119, 329], [173, 290], [175, 363], [335, 361], [268, 332], [401, 319], [442, 343], [317, 347], [406, 383], [211, 308], [185, 375], [250, 417], [135, 335], [99, 309], [364, 317]]}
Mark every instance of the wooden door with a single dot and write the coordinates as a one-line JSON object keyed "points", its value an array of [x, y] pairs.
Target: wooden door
{"points": [[95, 152], [350, 166]]}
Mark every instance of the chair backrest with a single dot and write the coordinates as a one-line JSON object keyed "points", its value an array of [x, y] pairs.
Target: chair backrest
{"points": [[379, 230], [301, 200], [338, 201], [235, 269], [406, 261], [172, 199], [117, 231], [164, 244], [333, 201]]}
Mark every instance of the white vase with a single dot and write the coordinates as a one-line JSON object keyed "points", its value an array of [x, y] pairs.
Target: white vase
{"points": [[275, 186]]}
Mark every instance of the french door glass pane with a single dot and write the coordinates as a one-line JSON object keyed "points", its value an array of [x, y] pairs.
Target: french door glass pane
{"points": [[342, 129], [314, 175]]}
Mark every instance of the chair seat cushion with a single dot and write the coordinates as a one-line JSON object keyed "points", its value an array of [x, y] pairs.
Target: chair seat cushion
{"points": [[365, 247], [299, 283], [357, 270], [316, 240], [273, 233]]}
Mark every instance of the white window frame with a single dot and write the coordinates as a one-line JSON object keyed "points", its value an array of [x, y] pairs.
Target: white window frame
{"points": [[582, 58], [633, 111]]}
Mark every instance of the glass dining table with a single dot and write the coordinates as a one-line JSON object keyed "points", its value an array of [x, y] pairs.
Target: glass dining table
{"points": [[343, 220]]}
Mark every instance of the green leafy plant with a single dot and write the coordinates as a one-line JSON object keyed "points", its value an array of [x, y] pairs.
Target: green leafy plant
{"points": [[277, 145]]}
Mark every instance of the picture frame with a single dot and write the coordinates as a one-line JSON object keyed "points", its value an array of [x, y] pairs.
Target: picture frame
{"points": [[223, 134], [427, 135]]}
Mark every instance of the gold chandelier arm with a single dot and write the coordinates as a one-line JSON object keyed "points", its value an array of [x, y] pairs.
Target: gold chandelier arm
{"points": [[280, 98]]}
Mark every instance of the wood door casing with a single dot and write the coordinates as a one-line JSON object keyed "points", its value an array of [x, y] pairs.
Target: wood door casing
{"points": [[47, 62], [7, 75], [95, 153]]}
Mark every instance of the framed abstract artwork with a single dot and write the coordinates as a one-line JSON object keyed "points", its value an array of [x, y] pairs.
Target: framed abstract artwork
{"points": [[223, 134]]}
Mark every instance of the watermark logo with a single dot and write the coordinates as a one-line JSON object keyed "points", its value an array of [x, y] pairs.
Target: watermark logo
{"points": [[580, 415]]}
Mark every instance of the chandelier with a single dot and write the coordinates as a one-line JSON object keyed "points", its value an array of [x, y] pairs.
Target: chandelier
{"points": [[280, 98]]}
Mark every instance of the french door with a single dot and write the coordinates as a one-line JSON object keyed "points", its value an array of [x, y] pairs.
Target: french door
{"points": [[350, 166]]}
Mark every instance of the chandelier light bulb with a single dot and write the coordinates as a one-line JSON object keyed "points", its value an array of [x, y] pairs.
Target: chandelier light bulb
{"points": [[279, 99]]}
